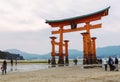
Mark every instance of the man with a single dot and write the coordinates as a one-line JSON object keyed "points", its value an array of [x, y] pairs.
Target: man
{"points": [[116, 64], [110, 62], [11, 61]]}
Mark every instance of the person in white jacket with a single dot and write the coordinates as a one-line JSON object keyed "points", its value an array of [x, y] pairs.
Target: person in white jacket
{"points": [[104, 61]]}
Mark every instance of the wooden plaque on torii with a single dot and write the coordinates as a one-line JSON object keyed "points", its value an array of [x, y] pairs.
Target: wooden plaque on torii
{"points": [[89, 45]]}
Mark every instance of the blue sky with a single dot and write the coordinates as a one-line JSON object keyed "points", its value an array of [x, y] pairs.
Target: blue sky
{"points": [[23, 27]]}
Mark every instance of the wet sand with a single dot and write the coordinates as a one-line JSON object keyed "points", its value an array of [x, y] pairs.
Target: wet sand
{"points": [[25, 67], [63, 74]]}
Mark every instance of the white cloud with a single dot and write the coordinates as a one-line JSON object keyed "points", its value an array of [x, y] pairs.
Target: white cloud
{"points": [[18, 15], [29, 41], [31, 14], [20, 21]]}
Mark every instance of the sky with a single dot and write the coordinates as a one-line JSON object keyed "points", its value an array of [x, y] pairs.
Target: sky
{"points": [[23, 27]]}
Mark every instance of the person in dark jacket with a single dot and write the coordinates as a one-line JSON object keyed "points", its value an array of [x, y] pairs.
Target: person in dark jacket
{"points": [[116, 64], [4, 67], [111, 62], [11, 61], [75, 61], [49, 61]]}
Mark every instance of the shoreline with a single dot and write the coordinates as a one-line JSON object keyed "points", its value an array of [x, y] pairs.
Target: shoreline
{"points": [[63, 74]]}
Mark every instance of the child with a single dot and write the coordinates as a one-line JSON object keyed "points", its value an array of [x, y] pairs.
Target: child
{"points": [[2, 68]]}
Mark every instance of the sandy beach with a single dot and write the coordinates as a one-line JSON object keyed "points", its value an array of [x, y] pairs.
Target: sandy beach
{"points": [[63, 74]]}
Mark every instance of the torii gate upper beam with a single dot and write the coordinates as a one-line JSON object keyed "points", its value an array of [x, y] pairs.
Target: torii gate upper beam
{"points": [[79, 19]]}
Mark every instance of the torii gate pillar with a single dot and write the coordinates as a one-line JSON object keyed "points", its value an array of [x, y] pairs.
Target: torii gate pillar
{"points": [[89, 49], [66, 52], [61, 55], [85, 48], [53, 62], [94, 58]]}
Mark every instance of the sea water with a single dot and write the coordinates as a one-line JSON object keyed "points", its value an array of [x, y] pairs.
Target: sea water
{"points": [[25, 67]]}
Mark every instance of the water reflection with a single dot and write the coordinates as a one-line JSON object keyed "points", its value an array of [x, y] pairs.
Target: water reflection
{"points": [[25, 67]]}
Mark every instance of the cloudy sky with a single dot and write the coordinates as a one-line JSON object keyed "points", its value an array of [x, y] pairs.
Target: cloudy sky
{"points": [[23, 27]]}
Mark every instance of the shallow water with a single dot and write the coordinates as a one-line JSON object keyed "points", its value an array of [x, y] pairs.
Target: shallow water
{"points": [[26, 67], [31, 66]]}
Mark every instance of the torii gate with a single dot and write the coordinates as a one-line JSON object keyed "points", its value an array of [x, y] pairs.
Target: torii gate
{"points": [[89, 47]]}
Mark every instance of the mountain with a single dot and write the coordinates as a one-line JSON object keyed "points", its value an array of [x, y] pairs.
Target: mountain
{"points": [[24, 54], [7, 55], [100, 52], [108, 51], [73, 53]]}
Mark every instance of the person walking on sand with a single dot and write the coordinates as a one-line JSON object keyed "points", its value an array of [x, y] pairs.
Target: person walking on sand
{"points": [[16, 62], [75, 61], [11, 61], [49, 61], [105, 64], [110, 62], [116, 64], [4, 65]]}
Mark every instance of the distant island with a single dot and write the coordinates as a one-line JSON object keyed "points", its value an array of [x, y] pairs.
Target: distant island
{"points": [[8, 55]]}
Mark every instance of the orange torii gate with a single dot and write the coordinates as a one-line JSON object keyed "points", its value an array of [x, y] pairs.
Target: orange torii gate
{"points": [[89, 46]]}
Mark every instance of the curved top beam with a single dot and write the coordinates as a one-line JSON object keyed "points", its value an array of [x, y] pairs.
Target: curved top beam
{"points": [[79, 19]]}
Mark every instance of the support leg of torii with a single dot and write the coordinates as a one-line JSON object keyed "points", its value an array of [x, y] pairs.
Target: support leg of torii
{"points": [[91, 50], [85, 48], [94, 49], [89, 43], [53, 62], [61, 55], [66, 52]]}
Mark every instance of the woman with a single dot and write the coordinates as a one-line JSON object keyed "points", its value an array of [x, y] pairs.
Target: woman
{"points": [[4, 65]]}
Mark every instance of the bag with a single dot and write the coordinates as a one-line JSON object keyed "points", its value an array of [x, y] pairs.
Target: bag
{"points": [[2, 68], [111, 62]]}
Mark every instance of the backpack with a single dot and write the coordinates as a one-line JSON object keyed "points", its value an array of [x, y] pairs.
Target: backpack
{"points": [[111, 62]]}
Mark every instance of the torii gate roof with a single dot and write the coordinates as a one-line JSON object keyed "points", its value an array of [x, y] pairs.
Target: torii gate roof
{"points": [[79, 19]]}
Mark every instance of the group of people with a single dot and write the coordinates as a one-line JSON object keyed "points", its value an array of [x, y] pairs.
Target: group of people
{"points": [[113, 64]]}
